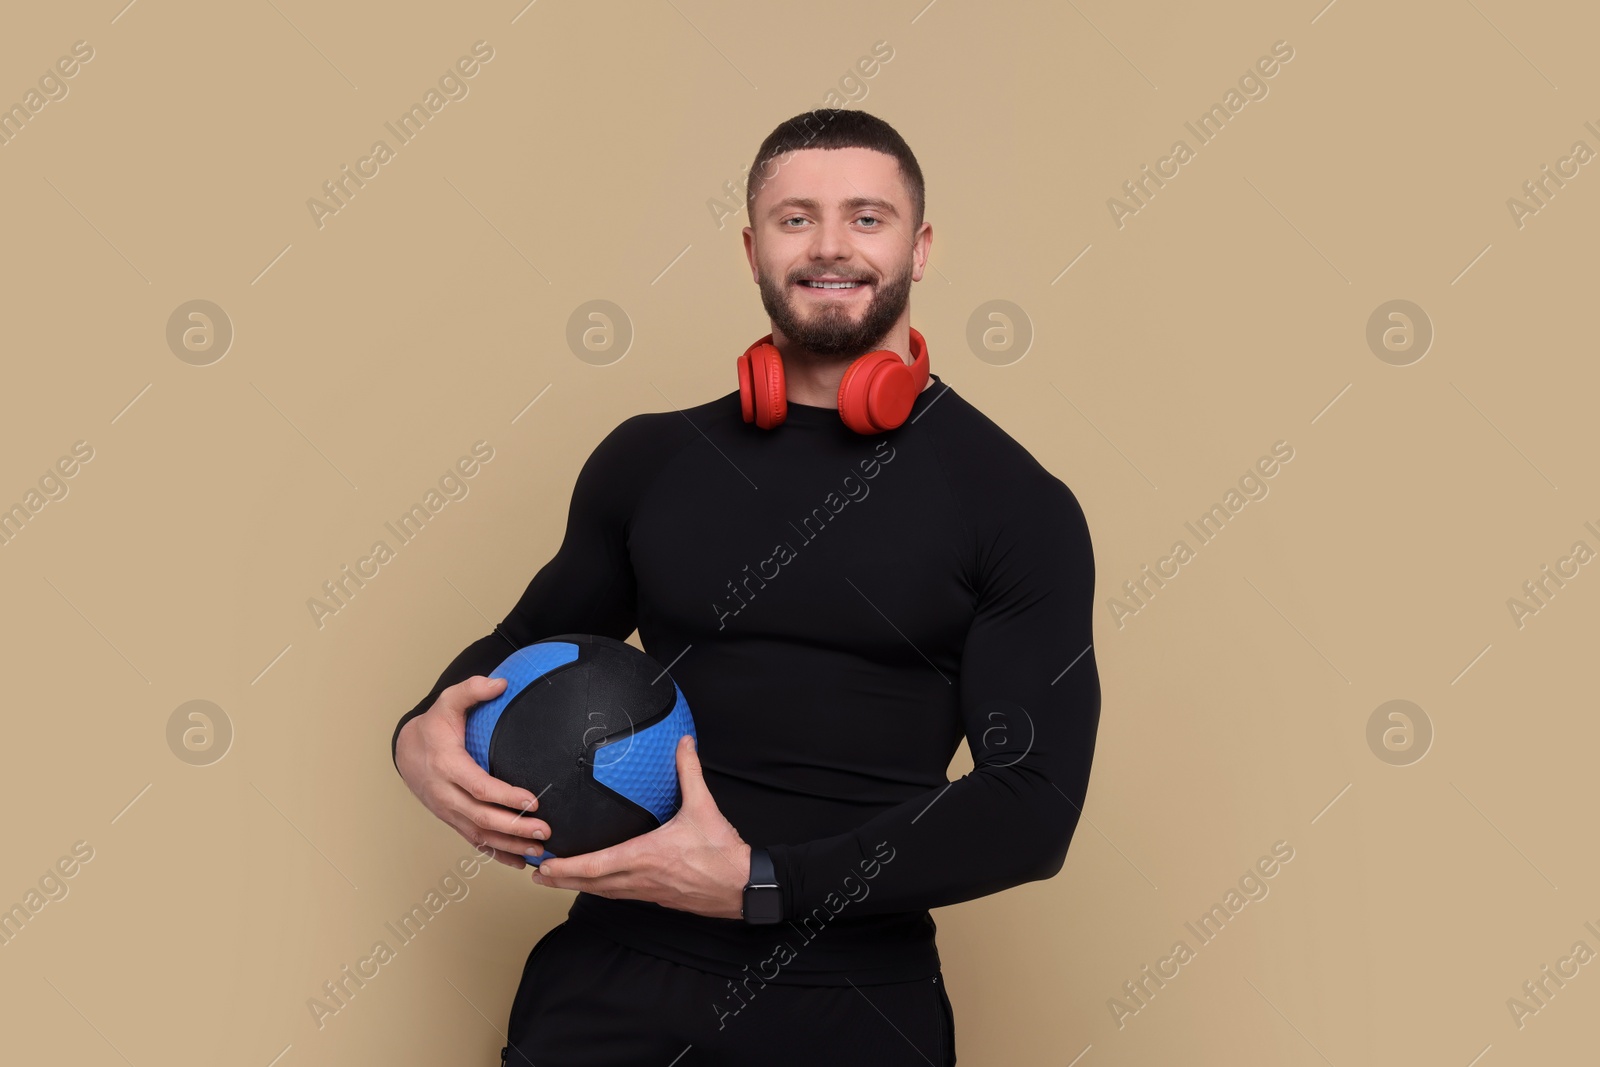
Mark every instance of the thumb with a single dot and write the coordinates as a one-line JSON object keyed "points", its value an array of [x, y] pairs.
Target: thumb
{"points": [[691, 777], [464, 695]]}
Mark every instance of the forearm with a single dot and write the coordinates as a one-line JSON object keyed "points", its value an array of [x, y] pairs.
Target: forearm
{"points": [[992, 829]]}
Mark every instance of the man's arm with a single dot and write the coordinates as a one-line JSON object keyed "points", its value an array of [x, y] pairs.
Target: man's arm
{"points": [[1030, 699], [587, 587]]}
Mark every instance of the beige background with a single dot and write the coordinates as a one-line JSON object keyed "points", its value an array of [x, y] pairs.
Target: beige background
{"points": [[1228, 314]]}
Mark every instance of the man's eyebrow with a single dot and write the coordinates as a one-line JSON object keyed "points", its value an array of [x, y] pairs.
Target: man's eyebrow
{"points": [[854, 203]]}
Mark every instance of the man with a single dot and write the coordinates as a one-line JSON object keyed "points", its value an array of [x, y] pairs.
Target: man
{"points": [[839, 607]]}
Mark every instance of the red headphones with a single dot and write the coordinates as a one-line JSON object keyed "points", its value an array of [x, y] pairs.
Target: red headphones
{"points": [[875, 394]]}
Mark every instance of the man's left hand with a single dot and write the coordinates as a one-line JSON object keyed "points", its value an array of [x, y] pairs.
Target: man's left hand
{"points": [[695, 861]]}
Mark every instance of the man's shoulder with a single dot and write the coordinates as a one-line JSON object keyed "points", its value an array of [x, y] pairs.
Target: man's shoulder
{"points": [[1004, 491], [669, 429], [640, 447], [628, 459], [979, 451]]}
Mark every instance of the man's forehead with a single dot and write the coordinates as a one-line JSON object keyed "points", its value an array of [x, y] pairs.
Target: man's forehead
{"points": [[821, 179]]}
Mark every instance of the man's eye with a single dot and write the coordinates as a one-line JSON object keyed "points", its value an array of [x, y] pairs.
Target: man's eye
{"points": [[795, 219], [869, 218]]}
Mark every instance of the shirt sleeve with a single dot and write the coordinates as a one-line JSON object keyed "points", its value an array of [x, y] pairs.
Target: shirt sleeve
{"points": [[588, 587], [1029, 696]]}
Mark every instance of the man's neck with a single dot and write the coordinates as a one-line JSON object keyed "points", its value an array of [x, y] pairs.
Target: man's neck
{"points": [[814, 380]]}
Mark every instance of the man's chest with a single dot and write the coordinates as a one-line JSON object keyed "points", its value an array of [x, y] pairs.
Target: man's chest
{"points": [[864, 552]]}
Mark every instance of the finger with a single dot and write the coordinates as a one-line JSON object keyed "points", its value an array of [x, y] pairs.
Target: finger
{"points": [[510, 859], [515, 823], [591, 865], [488, 819], [461, 769], [606, 885], [500, 844], [480, 838], [494, 817]]}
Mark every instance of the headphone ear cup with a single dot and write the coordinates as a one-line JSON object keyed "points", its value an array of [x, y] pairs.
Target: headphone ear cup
{"points": [[747, 393], [876, 392], [763, 399]]}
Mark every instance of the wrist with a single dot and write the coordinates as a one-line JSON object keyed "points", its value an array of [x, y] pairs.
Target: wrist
{"points": [[394, 744], [763, 899]]}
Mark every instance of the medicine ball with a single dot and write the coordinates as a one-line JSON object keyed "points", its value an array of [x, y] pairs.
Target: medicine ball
{"points": [[589, 725]]}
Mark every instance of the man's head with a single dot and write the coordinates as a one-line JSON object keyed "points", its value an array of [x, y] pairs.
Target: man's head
{"points": [[836, 196]]}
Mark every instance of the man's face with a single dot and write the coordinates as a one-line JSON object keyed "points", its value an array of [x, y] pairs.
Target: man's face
{"points": [[838, 215]]}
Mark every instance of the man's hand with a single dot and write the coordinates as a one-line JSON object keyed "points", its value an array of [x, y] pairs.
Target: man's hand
{"points": [[431, 753], [695, 861]]}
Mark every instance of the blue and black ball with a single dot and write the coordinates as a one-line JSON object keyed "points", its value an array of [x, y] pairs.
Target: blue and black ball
{"points": [[590, 725]]}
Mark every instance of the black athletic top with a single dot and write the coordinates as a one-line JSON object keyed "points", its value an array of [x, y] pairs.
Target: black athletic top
{"points": [[839, 610]]}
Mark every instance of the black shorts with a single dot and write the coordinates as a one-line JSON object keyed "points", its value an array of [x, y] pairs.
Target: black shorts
{"points": [[587, 1000]]}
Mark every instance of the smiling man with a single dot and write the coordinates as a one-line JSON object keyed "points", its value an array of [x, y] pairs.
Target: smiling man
{"points": [[921, 579]]}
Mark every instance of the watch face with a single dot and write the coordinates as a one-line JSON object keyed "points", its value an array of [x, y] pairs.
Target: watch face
{"points": [[761, 905]]}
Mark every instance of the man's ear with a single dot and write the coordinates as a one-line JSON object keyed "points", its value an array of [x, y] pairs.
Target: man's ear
{"points": [[750, 254], [920, 249]]}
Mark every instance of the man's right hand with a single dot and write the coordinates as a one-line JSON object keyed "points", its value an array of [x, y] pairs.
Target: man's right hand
{"points": [[431, 754]]}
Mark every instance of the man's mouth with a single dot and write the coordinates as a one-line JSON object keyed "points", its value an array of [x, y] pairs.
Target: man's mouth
{"points": [[829, 284]]}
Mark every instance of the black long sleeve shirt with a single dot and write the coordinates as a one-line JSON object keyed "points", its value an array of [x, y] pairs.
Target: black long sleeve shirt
{"points": [[839, 610]]}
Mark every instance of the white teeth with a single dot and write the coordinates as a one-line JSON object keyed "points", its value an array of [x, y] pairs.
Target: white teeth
{"points": [[833, 285]]}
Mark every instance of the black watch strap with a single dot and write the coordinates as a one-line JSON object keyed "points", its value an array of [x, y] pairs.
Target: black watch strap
{"points": [[763, 899]]}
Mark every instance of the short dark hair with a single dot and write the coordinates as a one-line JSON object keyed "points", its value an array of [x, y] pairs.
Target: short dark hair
{"points": [[832, 127]]}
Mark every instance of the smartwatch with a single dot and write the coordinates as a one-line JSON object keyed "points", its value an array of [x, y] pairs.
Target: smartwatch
{"points": [[763, 900]]}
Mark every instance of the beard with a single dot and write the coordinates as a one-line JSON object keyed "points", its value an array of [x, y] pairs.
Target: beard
{"points": [[830, 330]]}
